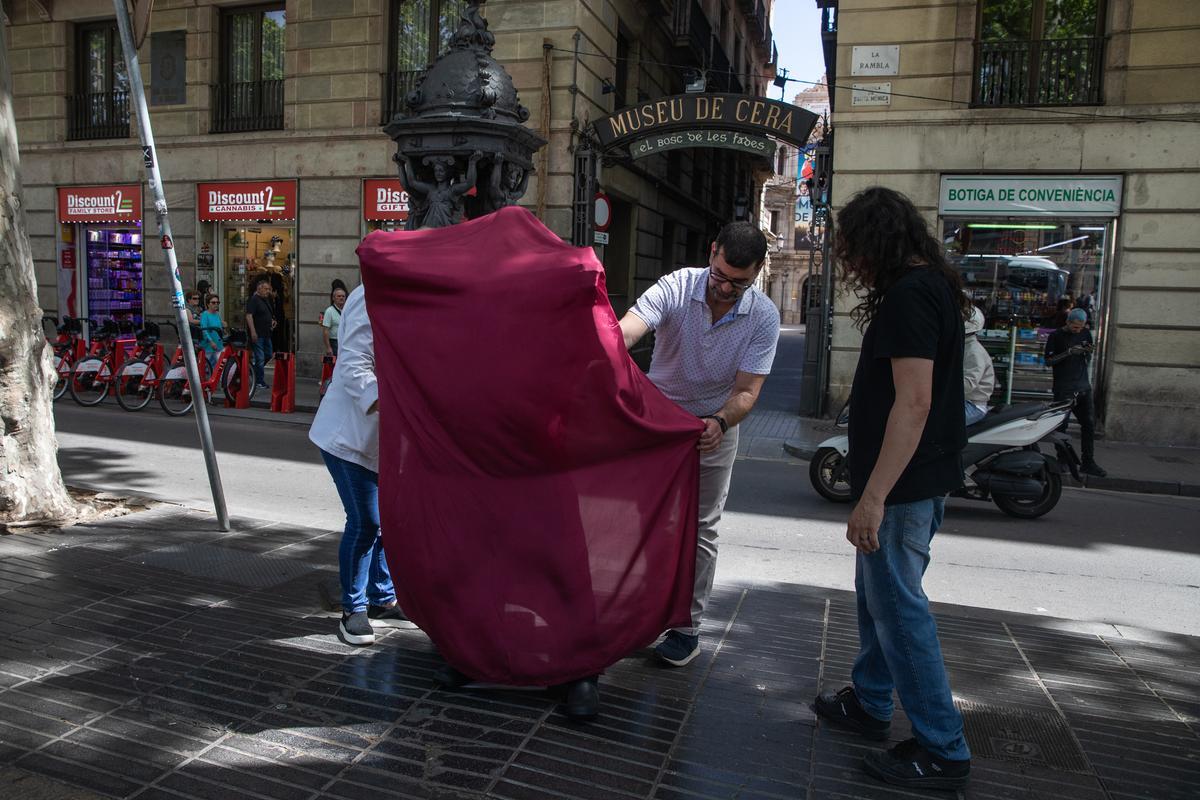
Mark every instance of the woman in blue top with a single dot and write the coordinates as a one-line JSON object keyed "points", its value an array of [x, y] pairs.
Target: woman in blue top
{"points": [[211, 329]]}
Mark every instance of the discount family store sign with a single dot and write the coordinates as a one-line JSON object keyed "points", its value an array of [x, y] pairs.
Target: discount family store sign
{"points": [[100, 203], [1030, 195]]}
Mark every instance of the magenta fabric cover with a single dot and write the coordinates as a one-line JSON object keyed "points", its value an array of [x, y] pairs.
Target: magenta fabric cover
{"points": [[538, 495]]}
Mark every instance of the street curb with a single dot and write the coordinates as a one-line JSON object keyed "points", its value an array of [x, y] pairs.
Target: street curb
{"points": [[799, 451]]}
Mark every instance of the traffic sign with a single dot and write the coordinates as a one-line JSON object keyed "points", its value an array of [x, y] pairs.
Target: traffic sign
{"points": [[603, 212]]}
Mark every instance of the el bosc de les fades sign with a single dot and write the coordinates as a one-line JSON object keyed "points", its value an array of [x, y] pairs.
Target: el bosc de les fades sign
{"points": [[733, 121]]}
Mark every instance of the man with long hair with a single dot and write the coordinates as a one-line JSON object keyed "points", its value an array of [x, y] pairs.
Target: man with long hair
{"points": [[715, 339], [907, 433]]}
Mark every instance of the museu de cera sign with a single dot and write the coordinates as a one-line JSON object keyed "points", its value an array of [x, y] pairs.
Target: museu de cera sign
{"points": [[247, 200], [756, 116]]}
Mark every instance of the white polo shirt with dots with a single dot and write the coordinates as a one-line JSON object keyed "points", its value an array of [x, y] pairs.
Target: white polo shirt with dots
{"points": [[696, 361]]}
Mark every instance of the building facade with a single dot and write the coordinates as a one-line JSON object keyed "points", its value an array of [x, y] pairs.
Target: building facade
{"points": [[267, 119], [1055, 148]]}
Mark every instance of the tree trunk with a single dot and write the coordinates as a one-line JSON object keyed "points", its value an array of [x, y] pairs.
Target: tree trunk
{"points": [[31, 486]]}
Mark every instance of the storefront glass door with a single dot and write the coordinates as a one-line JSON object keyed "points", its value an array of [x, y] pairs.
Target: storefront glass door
{"points": [[252, 250], [113, 274], [1025, 276]]}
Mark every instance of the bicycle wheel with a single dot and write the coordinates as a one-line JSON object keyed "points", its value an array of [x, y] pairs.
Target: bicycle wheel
{"points": [[62, 366], [231, 381], [135, 385], [174, 392], [90, 379]]}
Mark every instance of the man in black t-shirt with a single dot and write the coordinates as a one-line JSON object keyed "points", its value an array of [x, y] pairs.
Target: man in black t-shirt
{"points": [[259, 322], [1069, 353], [907, 432]]}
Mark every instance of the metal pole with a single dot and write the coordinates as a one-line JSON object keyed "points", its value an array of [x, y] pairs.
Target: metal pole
{"points": [[1012, 359], [150, 158]]}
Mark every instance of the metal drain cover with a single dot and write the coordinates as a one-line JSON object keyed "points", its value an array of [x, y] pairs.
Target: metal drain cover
{"points": [[1023, 736], [226, 564]]}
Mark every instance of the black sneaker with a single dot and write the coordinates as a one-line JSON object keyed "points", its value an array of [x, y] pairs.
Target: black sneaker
{"points": [[356, 629], [1094, 469], [583, 699], [908, 764], [389, 617], [678, 649], [844, 710]]}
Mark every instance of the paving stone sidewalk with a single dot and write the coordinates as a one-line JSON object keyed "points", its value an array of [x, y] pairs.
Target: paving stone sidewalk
{"points": [[151, 657]]}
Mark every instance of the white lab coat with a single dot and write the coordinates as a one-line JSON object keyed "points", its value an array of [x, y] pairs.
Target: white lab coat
{"points": [[979, 376], [342, 426]]}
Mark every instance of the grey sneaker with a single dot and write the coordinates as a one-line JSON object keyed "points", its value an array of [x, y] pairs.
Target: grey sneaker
{"points": [[389, 617], [356, 629]]}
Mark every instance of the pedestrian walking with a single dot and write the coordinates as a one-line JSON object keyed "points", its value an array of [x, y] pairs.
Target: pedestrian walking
{"points": [[259, 323], [212, 330], [715, 338], [1069, 354], [907, 432], [330, 320], [346, 429]]}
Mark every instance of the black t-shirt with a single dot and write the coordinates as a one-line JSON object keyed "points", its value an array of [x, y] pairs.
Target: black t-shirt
{"points": [[260, 311], [918, 318], [1070, 374]]}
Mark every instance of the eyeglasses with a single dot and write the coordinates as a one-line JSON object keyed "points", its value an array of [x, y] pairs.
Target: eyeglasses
{"points": [[214, 302], [719, 278]]}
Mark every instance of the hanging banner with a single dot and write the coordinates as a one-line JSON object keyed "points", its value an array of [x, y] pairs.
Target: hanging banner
{"points": [[247, 200], [384, 199], [100, 203]]}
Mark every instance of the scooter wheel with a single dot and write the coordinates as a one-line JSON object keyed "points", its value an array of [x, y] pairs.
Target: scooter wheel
{"points": [[830, 475], [1032, 509]]}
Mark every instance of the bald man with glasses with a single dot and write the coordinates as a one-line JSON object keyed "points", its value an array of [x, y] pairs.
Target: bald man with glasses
{"points": [[715, 337]]}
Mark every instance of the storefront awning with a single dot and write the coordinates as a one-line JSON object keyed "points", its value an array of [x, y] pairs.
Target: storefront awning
{"points": [[384, 199], [121, 203], [247, 200]]}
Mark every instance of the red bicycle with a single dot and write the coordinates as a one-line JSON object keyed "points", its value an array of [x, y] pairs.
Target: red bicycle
{"points": [[175, 392], [92, 376], [69, 347], [137, 380]]}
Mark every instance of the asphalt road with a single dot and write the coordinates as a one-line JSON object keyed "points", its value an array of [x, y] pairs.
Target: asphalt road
{"points": [[1100, 557]]}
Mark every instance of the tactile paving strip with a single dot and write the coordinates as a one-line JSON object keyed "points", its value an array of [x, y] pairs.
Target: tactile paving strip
{"points": [[1021, 736], [225, 564]]}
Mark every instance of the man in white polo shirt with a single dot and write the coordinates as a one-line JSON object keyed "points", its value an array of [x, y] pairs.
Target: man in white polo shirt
{"points": [[715, 337]]}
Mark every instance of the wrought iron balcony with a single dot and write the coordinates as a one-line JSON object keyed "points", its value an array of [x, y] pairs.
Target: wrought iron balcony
{"points": [[691, 29], [248, 106], [396, 86], [1040, 72], [98, 115]]}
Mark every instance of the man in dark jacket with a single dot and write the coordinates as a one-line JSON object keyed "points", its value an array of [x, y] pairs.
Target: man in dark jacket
{"points": [[1069, 352]]}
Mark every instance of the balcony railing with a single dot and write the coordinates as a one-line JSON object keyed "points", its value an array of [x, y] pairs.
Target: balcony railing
{"points": [[1041, 72], [249, 106], [691, 29], [396, 87], [100, 115]]}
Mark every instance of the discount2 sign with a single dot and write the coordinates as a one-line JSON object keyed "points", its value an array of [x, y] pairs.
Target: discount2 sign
{"points": [[247, 200], [384, 199], [100, 203]]}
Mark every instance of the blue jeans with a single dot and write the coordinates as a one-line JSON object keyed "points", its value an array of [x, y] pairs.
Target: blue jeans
{"points": [[362, 568], [974, 414], [262, 354], [898, 641]]}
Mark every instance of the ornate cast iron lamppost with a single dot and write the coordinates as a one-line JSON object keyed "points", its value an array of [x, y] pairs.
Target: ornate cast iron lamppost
{"points": [[464, 128]]}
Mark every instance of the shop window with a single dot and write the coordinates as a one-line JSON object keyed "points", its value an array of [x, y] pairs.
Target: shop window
{"points": [[418, 32], [249, 94], [1039, 52], [1026, 276], [99, 108], [260, 251]]}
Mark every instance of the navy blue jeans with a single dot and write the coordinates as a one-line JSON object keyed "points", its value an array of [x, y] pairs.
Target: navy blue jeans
{"points": [[262, 354], [898, 640], [362, 568]]}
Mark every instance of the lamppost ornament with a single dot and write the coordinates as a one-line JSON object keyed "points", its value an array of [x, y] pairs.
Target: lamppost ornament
{"points": [[463, 129]]}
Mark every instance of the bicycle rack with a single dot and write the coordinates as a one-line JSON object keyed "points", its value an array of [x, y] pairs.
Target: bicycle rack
{"points": [[242, 400]]}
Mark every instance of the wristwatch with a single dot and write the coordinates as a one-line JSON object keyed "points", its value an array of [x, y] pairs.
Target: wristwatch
{"points": [[720, 421]]}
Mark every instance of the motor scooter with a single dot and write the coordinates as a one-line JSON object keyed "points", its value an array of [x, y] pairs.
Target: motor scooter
{"points": [[1003, 460]]}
